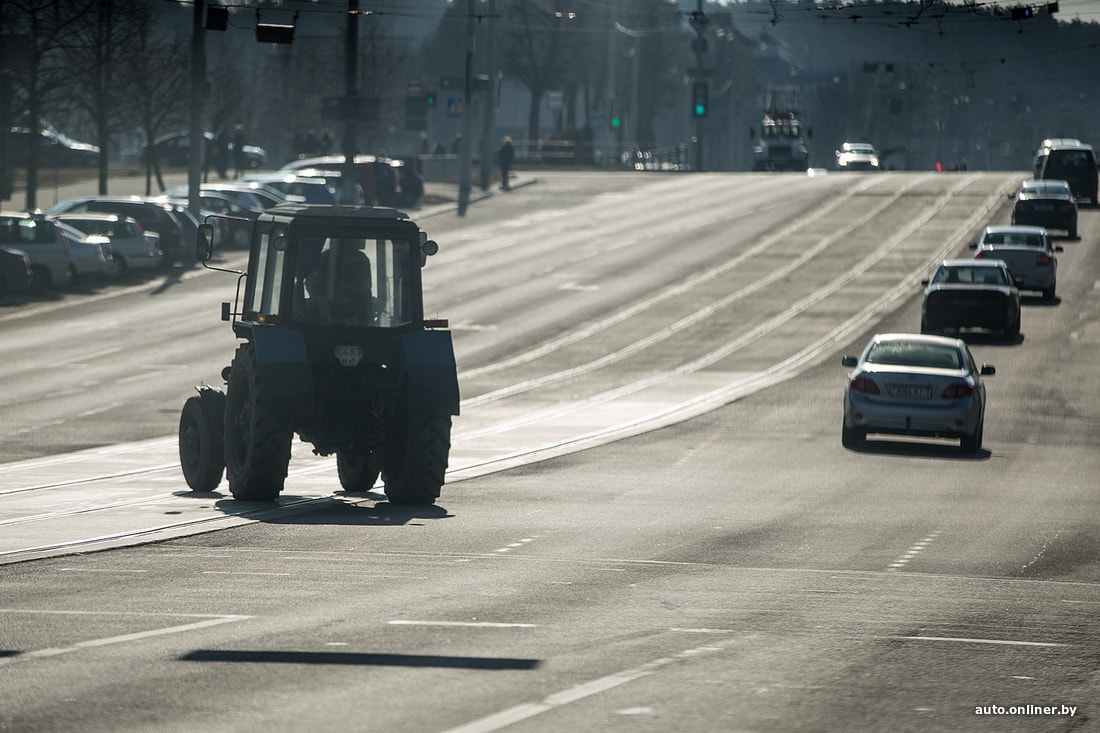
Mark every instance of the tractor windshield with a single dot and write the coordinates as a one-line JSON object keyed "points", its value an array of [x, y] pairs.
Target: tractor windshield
{"points": [[352, 282]]}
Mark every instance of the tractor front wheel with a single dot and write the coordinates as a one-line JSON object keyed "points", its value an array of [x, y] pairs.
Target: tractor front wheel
{"points": [[257, 440], [202, 445]]}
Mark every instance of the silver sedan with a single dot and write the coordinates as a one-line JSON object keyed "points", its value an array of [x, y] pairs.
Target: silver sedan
{"points": [[914, 384]]}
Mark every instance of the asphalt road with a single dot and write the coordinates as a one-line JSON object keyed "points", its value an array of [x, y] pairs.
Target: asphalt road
{"points": [[712, 560]]}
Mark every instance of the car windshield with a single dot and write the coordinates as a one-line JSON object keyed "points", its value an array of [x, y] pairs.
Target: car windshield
{"points": [[966, 275], [1014, 239], [1069, 160], [25, 231], [915, 354]]}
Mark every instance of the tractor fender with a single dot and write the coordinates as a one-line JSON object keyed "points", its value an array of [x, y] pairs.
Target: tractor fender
{"points": [[430, 373], [285, 369]]}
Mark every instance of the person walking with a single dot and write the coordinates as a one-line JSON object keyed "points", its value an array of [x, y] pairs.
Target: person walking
{"points": [[506, 156], [240, 162]]}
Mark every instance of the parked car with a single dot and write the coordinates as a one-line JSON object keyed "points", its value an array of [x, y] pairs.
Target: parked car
{"points": [[47, 249], [1028, 253], [131, 246], [857, 157], [174, 150], [410, 181], [310, 190], [55, 149], [16, 277], [914, 384], [235, 219], [252, 196], [159, 217], [1070, 160], [89, 255], [379, 182], [975, 293], [1046, 203]]}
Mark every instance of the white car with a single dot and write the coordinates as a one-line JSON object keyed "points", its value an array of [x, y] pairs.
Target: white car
{"points": [[47, 249], [132, 248], [913, 384], [89, 254], [857, 157]]}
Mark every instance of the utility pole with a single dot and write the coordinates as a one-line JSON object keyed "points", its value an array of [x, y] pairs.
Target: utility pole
{"points": [[489, 113], [464, 163], [351, 100], [699, 22], [197, 138]]}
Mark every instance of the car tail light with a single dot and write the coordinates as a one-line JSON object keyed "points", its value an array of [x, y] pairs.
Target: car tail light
{"points": [[1069, 206], [957, 390], [865, 385], [980, 256], [1043, 260]]}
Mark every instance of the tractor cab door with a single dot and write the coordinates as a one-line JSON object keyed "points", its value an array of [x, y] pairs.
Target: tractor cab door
{"points": [[263, 295]]}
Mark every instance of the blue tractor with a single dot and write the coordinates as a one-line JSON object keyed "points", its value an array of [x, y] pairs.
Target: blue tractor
{"points": [[336, 348]]}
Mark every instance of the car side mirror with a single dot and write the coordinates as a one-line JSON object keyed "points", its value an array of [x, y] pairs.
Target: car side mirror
{"points": [[204, 244], [925, 282], [973, 245], [1059, 248], [988, 370], [849, 361]]}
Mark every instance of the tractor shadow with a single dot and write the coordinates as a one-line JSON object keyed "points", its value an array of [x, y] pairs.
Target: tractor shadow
{"points": [[364, 509]]}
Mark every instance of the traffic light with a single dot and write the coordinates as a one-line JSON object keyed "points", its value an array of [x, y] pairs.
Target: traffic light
{"points": [[429, 98], [700, 99], [615, 119]]}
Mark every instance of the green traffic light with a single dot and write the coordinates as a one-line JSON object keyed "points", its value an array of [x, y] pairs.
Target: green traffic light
{"points": [[616, 123], [700, 110]]}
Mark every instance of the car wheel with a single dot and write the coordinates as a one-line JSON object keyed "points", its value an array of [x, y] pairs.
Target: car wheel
{"points": [[1048, 293], [971, 444], [120, 265], [925, 328], [852, 438], [358, 470]]}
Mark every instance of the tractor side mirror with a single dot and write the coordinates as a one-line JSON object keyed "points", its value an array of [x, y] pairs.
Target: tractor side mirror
{"points": [[204, 245], [427, 249]]}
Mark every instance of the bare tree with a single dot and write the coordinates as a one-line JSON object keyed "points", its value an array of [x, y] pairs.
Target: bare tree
{"points": [[92, 52], [154, 76], [49, 24]]}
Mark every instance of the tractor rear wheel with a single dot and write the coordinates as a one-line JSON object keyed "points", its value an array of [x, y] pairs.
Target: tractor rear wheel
{"points": [[415, 459], [202, 443], [257, 441], [358, 470]]}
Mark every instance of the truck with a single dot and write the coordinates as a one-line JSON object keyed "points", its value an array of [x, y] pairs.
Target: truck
{"points": [[783, 142], [334, 347]]}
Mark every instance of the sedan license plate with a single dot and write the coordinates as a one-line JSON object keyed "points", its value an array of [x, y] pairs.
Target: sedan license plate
{"points": [[910, 391]]}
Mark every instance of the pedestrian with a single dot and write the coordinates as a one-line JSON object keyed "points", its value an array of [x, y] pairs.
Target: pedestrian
{"points": [[240, 162], [505, 157], [221, 152]]}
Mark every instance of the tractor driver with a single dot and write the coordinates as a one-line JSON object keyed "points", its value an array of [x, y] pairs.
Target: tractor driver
{"points": [[336, 286]]}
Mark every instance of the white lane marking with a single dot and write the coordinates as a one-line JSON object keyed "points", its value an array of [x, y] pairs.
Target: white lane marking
{"points": [[913, 551], [513, 715], [469, 624], [208, 620], [670, 292], [968, 640]]}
